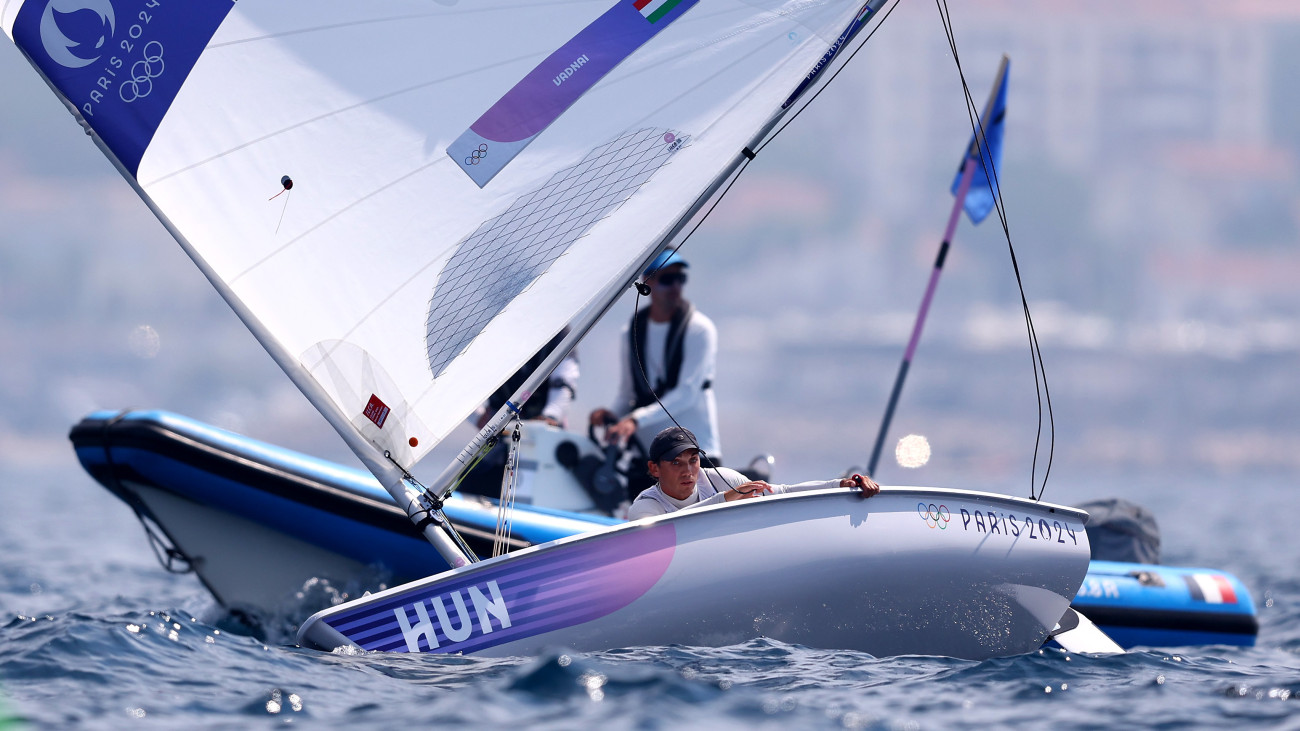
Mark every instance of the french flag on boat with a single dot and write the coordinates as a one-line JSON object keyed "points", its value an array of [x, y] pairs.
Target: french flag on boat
{"points": [[1210, 588], [654, 10]]}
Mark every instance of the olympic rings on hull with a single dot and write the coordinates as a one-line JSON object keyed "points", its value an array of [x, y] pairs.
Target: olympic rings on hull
{"points": [[935, 516]]}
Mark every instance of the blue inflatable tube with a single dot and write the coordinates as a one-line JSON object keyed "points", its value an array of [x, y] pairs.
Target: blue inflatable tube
{"points": [[1167, 606], [224, 482]]}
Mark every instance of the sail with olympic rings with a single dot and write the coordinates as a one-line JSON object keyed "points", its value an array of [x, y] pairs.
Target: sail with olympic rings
{"points": [[405, 200]]}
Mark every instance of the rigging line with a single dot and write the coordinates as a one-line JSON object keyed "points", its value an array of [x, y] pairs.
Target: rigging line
{"points": [[830, 78], [636, 306], [166, 551], [509, 486], [1035, 349], [640, 364], [972, 116], [1036, 355], [972, 111], [1036, 359]]}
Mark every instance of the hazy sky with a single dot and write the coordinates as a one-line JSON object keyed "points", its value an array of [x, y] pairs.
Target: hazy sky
{"points": [[1152, 188]]}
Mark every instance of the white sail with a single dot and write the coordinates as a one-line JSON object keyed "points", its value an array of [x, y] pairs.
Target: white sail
{"points": [[457, 179]]}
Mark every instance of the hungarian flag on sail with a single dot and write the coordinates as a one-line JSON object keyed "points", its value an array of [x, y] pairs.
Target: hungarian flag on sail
{"points": [[654, 10], [988, 156]]}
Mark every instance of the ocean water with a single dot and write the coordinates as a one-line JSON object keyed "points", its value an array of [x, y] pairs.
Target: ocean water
{"points": [[94, 634]]}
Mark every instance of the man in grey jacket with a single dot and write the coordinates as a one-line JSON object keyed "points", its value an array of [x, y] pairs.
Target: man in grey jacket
{"points": [[674, 460]]}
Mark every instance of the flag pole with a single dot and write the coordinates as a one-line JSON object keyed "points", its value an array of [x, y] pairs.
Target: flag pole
{"points": [[973, 155], [968, 172]]}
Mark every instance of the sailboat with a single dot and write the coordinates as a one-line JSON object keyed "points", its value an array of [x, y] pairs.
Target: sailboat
{"points": [[216, 504], [404, 201]]}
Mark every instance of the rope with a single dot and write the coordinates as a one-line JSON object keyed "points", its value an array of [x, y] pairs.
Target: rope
{"points": [[1035, 351], [830, 78], [509, 482], [170, 557], [431, 505], [640, 364], [478, 457]]}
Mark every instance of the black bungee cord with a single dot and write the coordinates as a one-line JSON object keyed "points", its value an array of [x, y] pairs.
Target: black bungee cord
{"points": [[640, 364], [1035, 351], [172, 559]]}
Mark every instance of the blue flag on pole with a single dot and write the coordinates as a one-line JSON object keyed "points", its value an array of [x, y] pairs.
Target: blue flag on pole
{"points": [[979, 201]]}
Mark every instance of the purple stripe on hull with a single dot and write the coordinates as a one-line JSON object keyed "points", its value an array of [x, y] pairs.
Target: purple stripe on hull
{"points": [[542, 605], [569, 568], [518, 598]]}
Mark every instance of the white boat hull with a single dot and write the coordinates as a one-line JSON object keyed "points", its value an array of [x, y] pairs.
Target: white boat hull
{"points": [[911, 571]]}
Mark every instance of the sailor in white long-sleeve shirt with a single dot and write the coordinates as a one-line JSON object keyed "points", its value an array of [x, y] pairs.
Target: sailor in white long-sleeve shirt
{"points": [[675, 462], [678, 347]]}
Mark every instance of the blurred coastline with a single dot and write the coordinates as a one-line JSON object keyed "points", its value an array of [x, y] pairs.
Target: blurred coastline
{"points": [[1152, 185]]}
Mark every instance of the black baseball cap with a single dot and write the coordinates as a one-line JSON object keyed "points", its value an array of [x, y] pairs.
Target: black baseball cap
{"points": [[671, 442]]}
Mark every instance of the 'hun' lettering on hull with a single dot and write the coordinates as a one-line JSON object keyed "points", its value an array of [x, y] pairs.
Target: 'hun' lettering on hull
{"points": [[453, 630]]}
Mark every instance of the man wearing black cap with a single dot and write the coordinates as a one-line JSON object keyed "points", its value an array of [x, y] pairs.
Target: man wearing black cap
{"points": [[669, 356], [675, 463]]}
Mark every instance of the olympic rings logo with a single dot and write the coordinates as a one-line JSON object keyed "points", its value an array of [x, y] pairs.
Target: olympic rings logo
{"points": [[143, 73], [477, 155], [935, 516]]}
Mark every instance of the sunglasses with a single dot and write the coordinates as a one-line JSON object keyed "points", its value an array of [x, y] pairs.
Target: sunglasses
{"points": [[669, 279]]}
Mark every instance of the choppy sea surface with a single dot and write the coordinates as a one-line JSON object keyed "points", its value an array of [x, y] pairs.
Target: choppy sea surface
{"points": [[94, 634]]}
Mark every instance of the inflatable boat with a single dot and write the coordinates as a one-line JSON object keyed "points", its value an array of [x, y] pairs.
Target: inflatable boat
{"points": [[257, 523], [1167, 606]]}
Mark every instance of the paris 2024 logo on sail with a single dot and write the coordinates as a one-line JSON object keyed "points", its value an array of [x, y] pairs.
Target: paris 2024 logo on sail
{"points": [[119, 63], [75, 32]]}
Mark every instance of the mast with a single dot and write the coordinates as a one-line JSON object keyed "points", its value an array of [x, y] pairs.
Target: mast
{"points": [[967, 174]]}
